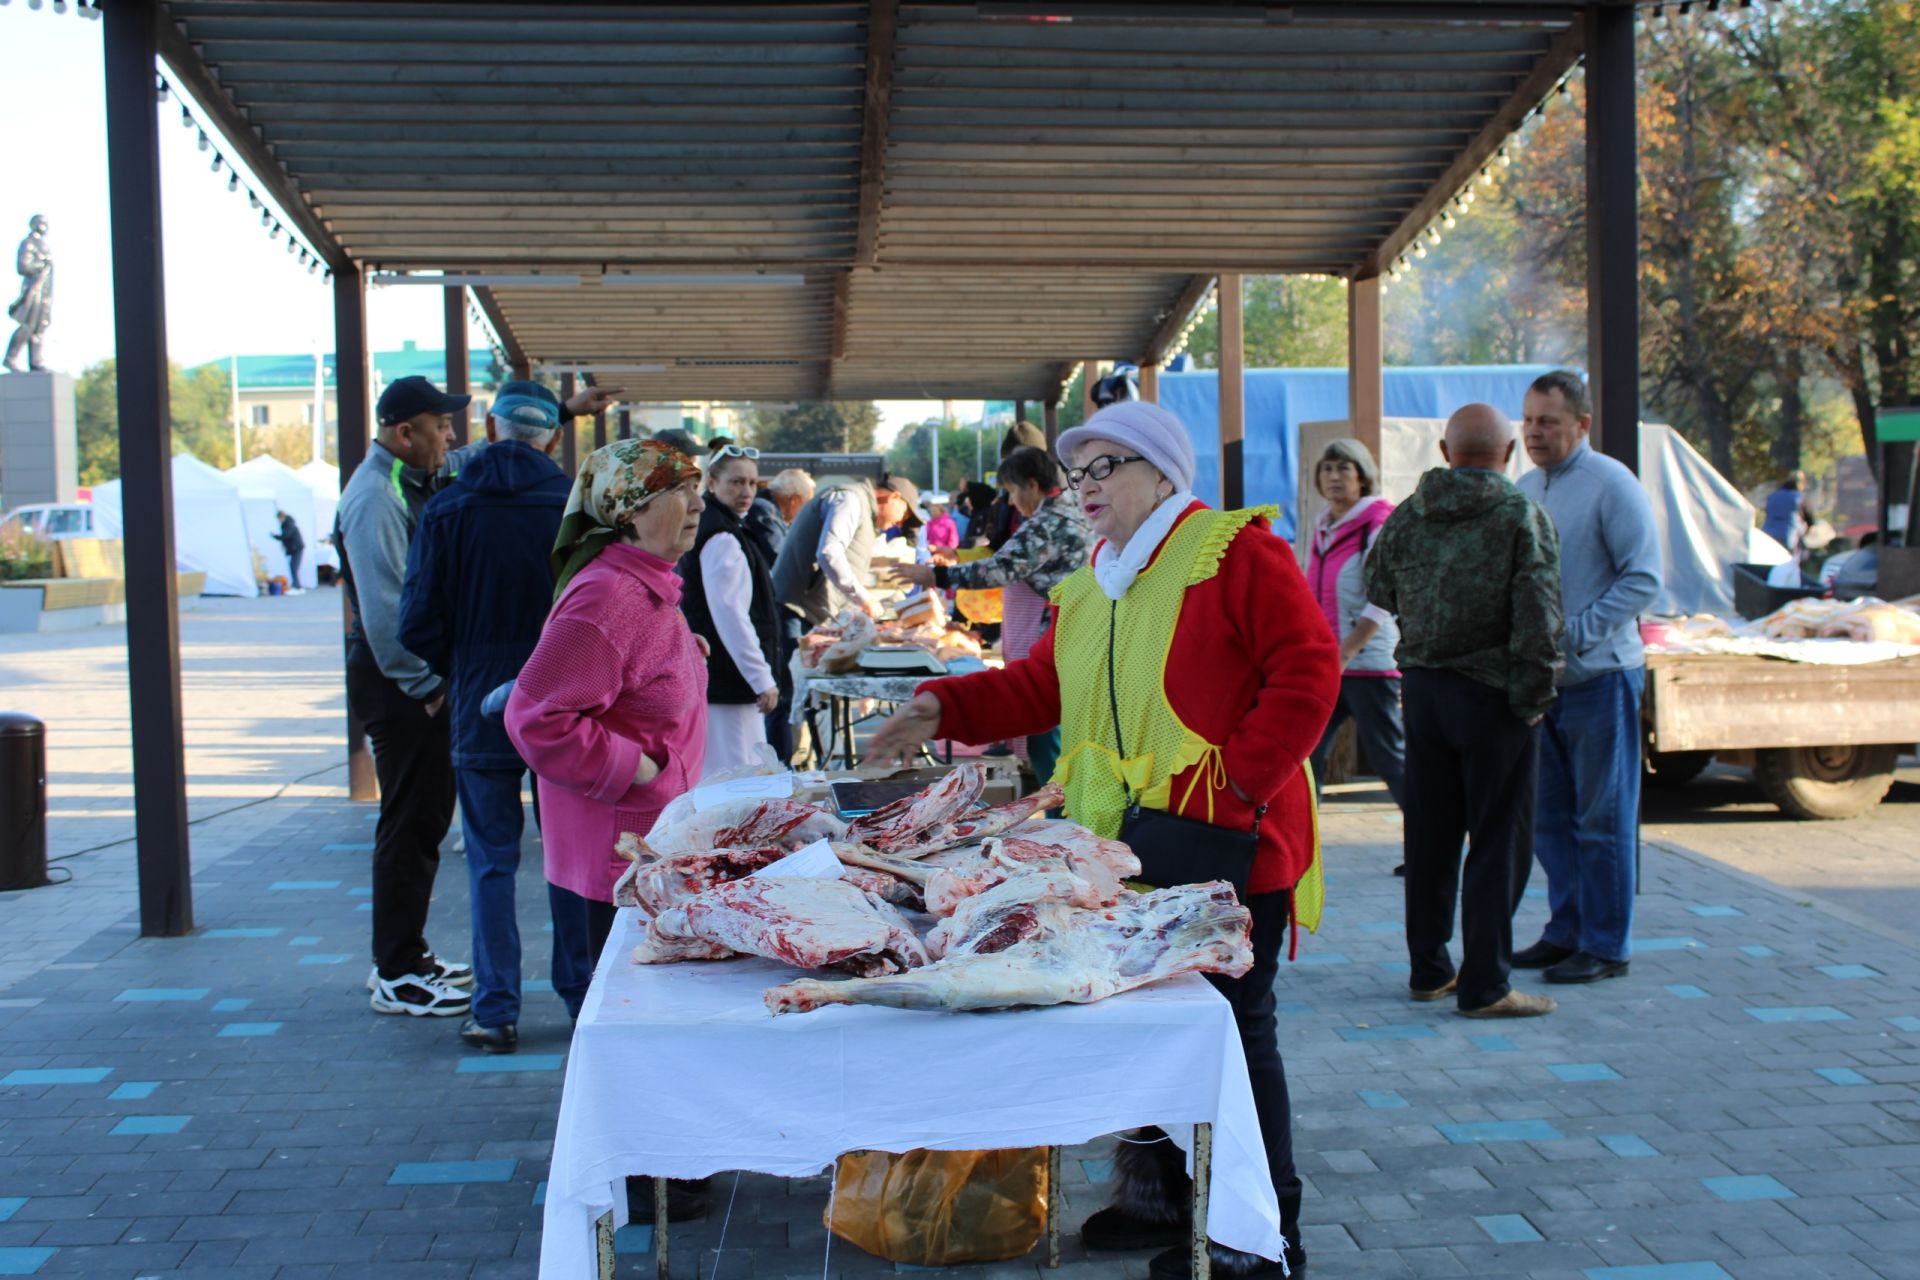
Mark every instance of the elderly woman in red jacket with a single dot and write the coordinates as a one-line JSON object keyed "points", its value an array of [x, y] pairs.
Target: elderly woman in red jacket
{"points": [[1215, 725]]}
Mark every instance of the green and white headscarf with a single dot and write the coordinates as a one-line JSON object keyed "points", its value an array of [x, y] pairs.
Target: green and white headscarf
{"points": [[615, 484]]}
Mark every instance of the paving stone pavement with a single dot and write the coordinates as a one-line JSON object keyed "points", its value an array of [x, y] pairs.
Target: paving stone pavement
{"points": [[1743, 1105]]}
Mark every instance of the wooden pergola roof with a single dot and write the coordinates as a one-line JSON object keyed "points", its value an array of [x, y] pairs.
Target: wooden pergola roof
{"points": [[951, 199]]}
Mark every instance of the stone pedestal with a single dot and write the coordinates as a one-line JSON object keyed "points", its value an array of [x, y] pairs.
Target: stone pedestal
{"points": [[37, 451]]}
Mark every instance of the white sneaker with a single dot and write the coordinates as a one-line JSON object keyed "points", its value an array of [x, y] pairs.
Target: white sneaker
{"points": [[451, 972], [420, 995]]}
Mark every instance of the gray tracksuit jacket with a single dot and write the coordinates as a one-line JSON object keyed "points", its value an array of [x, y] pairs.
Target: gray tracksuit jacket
{"points": [[375, 520]]}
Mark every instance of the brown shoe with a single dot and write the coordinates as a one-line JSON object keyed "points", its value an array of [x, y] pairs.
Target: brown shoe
{"points": [[1514, 1004], [1438, 993]]}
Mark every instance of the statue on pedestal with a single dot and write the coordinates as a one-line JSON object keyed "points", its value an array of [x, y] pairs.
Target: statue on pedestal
{"points": [[33, 309]]}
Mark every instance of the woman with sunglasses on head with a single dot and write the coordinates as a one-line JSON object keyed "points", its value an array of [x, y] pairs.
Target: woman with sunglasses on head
{"points": [[1192, 673], [729, 603]]}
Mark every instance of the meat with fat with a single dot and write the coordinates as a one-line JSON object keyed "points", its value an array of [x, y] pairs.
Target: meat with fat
{"points": [[907, 820], [805, 921], [968, 828], [1052, 953], [745, 824], [1003, 859], [667, 882], [1013, 899]]}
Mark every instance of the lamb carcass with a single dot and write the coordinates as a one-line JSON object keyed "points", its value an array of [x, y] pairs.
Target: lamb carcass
{"points": [[1037, 883], [1064, 834], [969, 828], [1051, 953], [655, 883], [1003, 859], [905, 821], [745, 824], [805, 921]]}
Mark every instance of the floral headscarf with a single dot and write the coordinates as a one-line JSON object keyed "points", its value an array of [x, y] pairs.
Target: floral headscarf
{"points": [[614, 485]]}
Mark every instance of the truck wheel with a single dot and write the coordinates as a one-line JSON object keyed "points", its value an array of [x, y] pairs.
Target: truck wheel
{"points": [[1826, 782], [1676, 768]]}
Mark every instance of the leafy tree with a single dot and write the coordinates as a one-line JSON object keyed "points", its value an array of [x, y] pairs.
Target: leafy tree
{"points": [[1287, 322], [821, 426], [912, 453], [198, 399]]}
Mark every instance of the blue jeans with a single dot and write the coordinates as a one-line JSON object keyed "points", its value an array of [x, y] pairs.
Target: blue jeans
{"points": [[492, 819], [1587, 819], [580, 929]]}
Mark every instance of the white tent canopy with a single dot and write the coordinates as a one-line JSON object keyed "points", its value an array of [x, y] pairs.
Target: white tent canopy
{"points": [[209, 526], [292, 494], [324, 479]]}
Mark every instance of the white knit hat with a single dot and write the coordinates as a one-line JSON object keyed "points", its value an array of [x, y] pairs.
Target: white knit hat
{"points": [[1147, 429]]}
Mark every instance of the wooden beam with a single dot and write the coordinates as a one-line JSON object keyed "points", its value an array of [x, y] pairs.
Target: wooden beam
{"points": [[1052, 424], [1233, 395], [1365, 386], [883, 17], [1174, 322], [1150, 383], [509, 341], [1559, 59], [1089, 374], [569, 431], [353, 417], [458, 363], [1613, 244]]}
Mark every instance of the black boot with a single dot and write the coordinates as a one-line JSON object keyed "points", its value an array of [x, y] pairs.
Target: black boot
{"points": [[685, 1200], [1152, 1196], [1177, 1264]]}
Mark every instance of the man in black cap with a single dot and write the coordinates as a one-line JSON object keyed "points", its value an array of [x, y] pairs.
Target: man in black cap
{"points": [[399, 699]]}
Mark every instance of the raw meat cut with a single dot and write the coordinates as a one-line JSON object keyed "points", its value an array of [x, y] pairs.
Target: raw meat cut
{"points": [[1000, 903], [1063, 834], [745, 824], [1051, 953], [908, 819], [970, 827], [806, 921], [668, 939], [658, 883], [1000, 860]]}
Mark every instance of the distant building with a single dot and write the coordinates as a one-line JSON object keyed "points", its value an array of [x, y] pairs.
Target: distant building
{"points": [[277, 390]]}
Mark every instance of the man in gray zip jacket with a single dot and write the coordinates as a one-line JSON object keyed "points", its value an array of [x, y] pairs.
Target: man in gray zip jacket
{"points": [[1586, 822], [824, 563]]}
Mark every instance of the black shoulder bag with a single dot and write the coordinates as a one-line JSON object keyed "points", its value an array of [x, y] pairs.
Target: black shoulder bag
{"points": [[1172, 849]]}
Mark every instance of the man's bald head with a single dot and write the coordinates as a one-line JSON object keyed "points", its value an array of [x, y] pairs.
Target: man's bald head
{"points": [[1478, 435]]}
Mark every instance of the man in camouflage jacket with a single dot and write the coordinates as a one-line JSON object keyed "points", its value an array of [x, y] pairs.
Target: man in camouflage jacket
{"points": [[1471, 569], [1047, 547]]}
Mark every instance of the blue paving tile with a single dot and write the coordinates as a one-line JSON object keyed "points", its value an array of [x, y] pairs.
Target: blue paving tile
{"points": [[1383, 926], [232, 1004], [306, 940], [1841, 1075], [1323, 957], [134, 1091], [57, 1075], [1666, 944], [234, 1029], [633, 1238], [540, 1194], [1800, 1013], [347, 848], [437, 1172], [1413, 1032], [242, 933], [1755, 1186], [1850, 971], [1534, 893], [1661, 1271], [360, 891], [1584, 1072], [1097, 1171], [1494, 1044], [1755, 949], [1382, 1099], [1627, 1146], [1712, 912], [365, 906], [300, 886], [1508, 1228], [321, 958], [514, 1063], [1393, 966], [150, 994], [134, 1125], [1905, 1022], [10, 1205], [1500, 1131], [1293, 1007], [23, 1260], [537, 984], [1686, 991]]}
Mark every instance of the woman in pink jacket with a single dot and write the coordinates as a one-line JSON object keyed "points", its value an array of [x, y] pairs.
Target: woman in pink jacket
{"points": [[610, 712]]}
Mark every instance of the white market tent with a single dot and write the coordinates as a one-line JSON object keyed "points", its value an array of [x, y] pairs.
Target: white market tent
{"points": [[292, 494], [324, 479], [260, 512], [209, 526]]}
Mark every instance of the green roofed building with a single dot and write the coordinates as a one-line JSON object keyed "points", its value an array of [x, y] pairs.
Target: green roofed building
{"points": [[278, 390]]}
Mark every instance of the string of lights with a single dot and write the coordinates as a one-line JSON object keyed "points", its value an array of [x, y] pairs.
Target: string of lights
{"points": [[81, 9]]}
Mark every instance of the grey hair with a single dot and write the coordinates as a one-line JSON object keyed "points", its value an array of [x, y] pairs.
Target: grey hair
{"points": [[1350, 450], [1571, 386], [508, 429], [792, 483]]}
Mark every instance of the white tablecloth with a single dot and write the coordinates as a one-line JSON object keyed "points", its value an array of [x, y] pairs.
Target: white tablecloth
{"points": [[679, 1071]]}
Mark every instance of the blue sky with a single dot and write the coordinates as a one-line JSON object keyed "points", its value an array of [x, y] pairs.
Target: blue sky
{"points": [[229, 288]]}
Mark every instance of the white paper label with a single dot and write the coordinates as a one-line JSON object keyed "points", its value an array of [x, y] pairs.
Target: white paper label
{"points": [[771, 786], [816, 861]]}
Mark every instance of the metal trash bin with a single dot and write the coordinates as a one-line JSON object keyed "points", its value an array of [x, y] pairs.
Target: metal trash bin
{"points": [[23, 802]]}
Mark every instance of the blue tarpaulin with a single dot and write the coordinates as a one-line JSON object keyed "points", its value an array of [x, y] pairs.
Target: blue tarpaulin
{"points": [[1279, 400]]}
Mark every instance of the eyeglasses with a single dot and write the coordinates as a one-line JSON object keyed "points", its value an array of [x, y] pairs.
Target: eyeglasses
{"points": [[735, 451], [1100, 468]]}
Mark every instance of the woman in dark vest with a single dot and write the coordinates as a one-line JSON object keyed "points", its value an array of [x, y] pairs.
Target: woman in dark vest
{"points": [[729, 602]]}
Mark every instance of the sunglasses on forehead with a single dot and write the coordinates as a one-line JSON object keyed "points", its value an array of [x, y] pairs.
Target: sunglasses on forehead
{"points": [[726, 451]]}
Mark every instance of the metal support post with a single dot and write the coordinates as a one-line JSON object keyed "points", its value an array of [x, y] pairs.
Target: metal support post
{"points": [[457, 358], [1613, 241], [600, 430], [1233, 395], [1150, 383], [1202, 1189], [626, 424], [1052, 423], [130, 41], [1366, 391], [351, 425], [660, 1229], [569, 431], [1056, 1202]]}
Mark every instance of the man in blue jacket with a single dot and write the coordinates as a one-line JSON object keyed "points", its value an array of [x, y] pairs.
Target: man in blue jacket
{"points": [[1587, 817], [477, 592]]}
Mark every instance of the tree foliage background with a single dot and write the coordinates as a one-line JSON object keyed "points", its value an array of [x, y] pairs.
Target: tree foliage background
{"points": [[821, 426]]}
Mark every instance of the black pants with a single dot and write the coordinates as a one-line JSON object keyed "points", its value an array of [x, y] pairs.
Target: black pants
{"points": [[413, 758], [580, 929], [293, 568], [779, 720], [1470, 776], [1373, 704], [1251, 996]]}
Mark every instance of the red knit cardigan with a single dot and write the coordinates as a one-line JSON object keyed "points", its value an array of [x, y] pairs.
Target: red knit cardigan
{"points": [[1252, 667]]}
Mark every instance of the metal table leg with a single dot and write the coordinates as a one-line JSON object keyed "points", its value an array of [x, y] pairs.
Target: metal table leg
{"points": [[1202, 1178], [603, 1246], [1055, 1199], [660, 1228]]}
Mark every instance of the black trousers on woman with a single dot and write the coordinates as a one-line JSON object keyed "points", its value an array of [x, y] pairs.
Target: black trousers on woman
{"points": [[1252, 998]]}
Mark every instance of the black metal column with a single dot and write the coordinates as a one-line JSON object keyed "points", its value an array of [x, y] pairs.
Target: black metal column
{"points": [[1052, 423], [350, 387], [130, 40], [1019, 410], [457, 359], [569, 431], [600, 429], [1613, 236], [626, 424]]}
